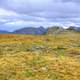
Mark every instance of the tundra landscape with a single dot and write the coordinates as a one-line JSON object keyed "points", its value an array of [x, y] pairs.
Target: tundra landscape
{"points": [[40, 57], [39, 39]]}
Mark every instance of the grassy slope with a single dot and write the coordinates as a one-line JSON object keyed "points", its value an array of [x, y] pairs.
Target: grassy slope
{"points": [[27, 57]]}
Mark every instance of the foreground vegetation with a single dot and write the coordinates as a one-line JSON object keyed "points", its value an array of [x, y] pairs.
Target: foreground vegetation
{"points": [[43, 57]]}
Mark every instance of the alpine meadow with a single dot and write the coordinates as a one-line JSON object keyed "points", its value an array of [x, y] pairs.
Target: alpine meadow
{"points": [[40, 57], [39, 39]]}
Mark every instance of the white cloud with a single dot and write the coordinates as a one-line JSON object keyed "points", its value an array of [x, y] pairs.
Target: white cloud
{"points": [[4, 12]]}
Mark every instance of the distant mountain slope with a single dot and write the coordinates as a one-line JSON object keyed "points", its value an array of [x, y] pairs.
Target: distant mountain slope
{"points": [[31, 30], [54, 30], [3, 32], [75, 28], [60, 30]]}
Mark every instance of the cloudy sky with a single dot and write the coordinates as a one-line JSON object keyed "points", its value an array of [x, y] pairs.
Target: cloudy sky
{"points": [[15, 14]]}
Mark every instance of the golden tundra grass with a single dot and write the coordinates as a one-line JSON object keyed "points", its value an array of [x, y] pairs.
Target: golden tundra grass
{"points": [[27, 57]]}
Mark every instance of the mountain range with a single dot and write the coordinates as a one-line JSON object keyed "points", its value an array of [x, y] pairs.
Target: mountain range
{"points": [[41, 30], [31, 30]]}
